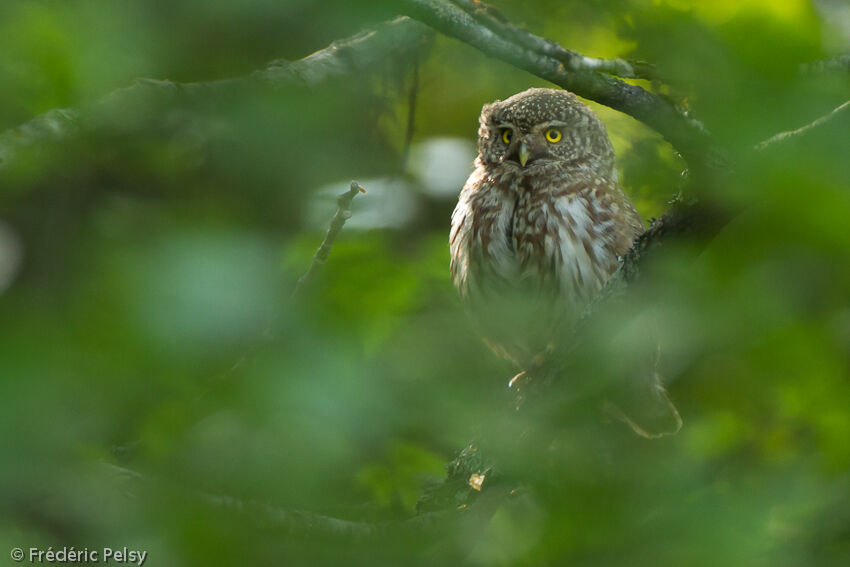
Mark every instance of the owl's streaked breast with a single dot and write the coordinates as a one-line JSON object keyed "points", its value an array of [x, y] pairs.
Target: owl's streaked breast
{"points": [[528, 257], [533, 239]]}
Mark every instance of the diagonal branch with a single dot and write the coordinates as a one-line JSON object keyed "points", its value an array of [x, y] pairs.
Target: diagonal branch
{"points": [[804, 130], [299, 523], [572, 60], [580, 75]]}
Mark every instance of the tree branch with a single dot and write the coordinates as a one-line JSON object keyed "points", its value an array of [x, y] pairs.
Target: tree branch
{"points": [[541, 57], [298, 523], [498, 23], [362, 52]]}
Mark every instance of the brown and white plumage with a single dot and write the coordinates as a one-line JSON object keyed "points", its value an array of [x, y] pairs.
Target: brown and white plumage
{"points": [[532, 243]]}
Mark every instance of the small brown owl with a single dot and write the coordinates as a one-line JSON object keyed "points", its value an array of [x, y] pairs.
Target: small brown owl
{"points": [[540, 224]]}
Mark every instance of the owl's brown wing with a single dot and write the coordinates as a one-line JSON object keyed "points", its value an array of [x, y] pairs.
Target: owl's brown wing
{"points": [[592, 224]]}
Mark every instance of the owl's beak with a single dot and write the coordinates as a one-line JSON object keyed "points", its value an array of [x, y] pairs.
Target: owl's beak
{"points": [[523, 153]]}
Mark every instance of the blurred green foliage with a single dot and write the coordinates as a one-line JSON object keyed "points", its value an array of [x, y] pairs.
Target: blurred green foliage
{"points": [[146, 317]]}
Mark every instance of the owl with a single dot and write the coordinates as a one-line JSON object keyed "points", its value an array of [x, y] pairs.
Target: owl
{"points": [[541, 223]]}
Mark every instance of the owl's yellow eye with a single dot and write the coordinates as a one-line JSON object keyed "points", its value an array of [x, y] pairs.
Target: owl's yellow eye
{"points": [[553, 135], [507, 135]]}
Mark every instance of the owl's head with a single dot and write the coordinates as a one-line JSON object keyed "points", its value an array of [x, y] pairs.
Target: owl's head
{"points": [[539, 130]]}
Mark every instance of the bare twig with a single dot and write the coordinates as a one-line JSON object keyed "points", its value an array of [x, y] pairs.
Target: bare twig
{"points": [[803, 130], [357, 54], [411, 112], [343, 213]]}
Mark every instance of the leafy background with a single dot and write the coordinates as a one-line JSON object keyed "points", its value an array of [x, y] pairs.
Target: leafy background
{"points": [[141, 260]]}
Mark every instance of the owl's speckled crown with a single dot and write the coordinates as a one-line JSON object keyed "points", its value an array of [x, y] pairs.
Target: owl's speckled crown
{"points": [[526, 108]]}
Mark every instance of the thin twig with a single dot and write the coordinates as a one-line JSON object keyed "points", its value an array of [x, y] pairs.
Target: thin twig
{"points": [[784, 136], [411, 113], [343, 213]]}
